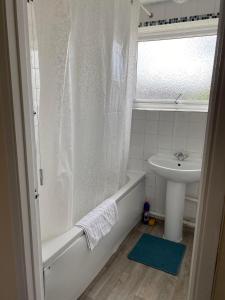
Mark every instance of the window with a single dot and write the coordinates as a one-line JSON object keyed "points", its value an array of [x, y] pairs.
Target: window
{"points": [[175, 72]]}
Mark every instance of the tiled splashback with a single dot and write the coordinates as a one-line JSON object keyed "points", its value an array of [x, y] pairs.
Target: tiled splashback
{"points": [[165, 132]]}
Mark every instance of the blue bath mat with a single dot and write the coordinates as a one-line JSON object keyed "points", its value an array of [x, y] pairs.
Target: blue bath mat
{"points": [[158, 253]]}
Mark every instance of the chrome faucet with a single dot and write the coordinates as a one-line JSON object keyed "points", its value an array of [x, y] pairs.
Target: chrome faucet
{"points": [[180, 156]]}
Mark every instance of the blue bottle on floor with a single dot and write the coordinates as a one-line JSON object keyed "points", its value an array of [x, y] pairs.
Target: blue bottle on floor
{"points": [[146, 213]]}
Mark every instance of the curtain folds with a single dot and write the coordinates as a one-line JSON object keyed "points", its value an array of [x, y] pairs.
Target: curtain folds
{"points": [[87, 57]]}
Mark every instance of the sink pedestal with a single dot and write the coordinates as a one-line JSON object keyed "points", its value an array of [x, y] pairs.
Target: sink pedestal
{"points": [[174, 211], [178, 174]]}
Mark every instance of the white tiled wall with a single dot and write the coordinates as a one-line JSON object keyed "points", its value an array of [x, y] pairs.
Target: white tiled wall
{"points": [[170, 9], [165, 132]]}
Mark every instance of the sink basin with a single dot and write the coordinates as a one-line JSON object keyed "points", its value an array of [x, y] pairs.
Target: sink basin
{"points": [[169, 167], [177, 173]]}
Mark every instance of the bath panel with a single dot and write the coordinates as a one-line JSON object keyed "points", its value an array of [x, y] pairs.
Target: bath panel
{"points": [[69, 270]]}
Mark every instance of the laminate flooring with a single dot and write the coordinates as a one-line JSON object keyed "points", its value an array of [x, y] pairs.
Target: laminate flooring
{"points": [[122, 279]]}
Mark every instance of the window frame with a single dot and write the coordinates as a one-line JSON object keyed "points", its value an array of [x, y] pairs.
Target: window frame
{"points": [[175, 31]]}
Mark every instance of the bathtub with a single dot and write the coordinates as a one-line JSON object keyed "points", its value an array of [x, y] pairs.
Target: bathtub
{"points": [[68, 265]]}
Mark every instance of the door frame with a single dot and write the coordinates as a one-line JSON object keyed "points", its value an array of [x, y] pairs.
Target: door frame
{"points": [[211, 202], [207, 236], [18, 124]]}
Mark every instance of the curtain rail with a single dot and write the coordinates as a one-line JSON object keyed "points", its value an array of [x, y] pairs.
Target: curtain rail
{"points": [[150, 14]]}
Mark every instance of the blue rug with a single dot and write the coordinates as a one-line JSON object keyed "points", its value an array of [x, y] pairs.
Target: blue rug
{"points": [[158, 253]]}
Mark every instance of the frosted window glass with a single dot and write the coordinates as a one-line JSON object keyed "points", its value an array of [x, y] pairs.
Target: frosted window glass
{"points": [[167, 68]]}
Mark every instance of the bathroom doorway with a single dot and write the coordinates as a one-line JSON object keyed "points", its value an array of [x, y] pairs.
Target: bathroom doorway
{"points": [[209, 213]]}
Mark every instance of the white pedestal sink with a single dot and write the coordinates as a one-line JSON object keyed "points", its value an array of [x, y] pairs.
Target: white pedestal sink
{"points": [[177, 173]]}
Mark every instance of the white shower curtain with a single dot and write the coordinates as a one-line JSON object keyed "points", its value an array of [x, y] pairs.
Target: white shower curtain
{"points": [[87, 55]]}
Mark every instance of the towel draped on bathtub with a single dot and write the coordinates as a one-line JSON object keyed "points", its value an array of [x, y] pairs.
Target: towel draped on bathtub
{"points": [[99, 222]]}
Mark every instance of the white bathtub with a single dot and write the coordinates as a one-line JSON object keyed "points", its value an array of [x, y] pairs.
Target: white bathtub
{"points": [[68, 265]]}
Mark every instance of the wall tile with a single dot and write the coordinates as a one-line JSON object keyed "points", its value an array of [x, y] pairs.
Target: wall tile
{"points": [[151, 127], [193, 190], [138, 126], [172, 9], [150, 196], [151, 178], [165, 142], [181, 129], [165, 151], [194, 145], [166, 116], [137, 139], [152, 115], [188, 9], [217, 5], [190, 210], [150, 175], [204, 118], [165, 132], [136, 151], [206, 6], [135, 164], [196, 117], [160, 196], [150, 145], [139, 114], [196, 129], [182, 116], [160, 181], [165, 128], [193, 154], [179, 144]]}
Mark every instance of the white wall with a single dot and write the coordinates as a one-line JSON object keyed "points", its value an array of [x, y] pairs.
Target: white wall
{"points": [[168, 132], [165, 132], [170, 9]]}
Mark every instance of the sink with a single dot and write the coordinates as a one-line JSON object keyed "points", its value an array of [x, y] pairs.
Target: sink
{"points": [[178, 174], [188, 170]]}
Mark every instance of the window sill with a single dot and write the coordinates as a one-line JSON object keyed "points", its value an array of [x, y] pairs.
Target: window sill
{"points": [[178, 30], [171, 107]]}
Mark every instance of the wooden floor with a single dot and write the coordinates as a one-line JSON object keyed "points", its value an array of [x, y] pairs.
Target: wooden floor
{"points": [[125, 279]]}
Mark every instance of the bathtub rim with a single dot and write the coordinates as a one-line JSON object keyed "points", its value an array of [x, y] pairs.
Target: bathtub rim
{"points": [[55, 247]]}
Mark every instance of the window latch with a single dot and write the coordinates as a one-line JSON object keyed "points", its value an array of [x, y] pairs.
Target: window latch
{"points": [[178, 98]]}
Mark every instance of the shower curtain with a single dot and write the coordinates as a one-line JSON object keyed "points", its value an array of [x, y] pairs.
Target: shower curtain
{"points": [[87, 55]]}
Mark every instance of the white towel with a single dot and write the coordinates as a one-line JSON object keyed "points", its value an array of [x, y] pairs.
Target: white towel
{"points": [[99, 222]]}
